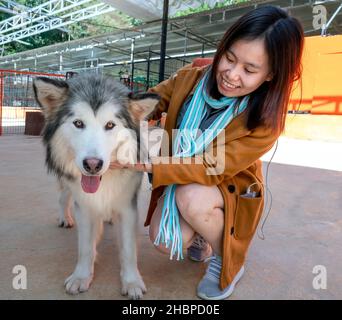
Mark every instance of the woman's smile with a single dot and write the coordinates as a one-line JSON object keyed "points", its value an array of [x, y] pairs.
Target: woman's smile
{"points": [[227, 85]]}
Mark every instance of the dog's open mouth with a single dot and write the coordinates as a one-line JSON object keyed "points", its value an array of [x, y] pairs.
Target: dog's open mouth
{"points": [[90, 184]]}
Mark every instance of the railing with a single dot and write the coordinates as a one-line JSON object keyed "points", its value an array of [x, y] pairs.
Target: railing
{"points": [[17, 98]]}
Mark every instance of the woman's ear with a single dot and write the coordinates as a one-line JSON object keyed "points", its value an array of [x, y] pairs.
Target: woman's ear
{"points": [[269, 77]]}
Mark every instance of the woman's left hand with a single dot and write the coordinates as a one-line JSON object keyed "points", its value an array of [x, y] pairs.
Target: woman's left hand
{"points": [[144, 167]]}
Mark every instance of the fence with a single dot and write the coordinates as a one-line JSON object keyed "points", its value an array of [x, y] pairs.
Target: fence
{"points": [[17, 99], [17, 103]]}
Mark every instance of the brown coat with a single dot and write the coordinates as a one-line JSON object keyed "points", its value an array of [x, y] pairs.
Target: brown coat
{"points": [[243, 148]]}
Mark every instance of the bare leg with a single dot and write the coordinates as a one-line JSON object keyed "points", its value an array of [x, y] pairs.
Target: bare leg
{"points": [[188, 232], [202, 208]]}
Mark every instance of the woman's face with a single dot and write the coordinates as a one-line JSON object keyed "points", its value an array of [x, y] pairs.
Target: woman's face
{"points": [[243, 68]]}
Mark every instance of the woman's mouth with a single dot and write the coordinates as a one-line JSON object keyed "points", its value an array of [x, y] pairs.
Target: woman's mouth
{"points": [[227, 86]]}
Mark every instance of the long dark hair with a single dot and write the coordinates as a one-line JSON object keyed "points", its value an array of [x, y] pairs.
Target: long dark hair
{"points": [[284, 38]]}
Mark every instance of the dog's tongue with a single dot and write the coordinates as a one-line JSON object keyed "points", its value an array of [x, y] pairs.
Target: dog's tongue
{"points": [[90, 184]]}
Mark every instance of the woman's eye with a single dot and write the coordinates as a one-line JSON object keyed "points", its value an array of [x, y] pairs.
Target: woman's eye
{"points": [[78, 124], [110, 125], [249, 71]]}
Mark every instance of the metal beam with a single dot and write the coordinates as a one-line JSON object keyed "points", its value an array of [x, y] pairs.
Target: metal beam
{"points": [[39, 14], [13, 7], [326, 26], [46, 24]]}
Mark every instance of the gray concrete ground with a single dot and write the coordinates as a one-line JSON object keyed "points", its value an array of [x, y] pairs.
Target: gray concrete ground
{"points": [[303, 231]]}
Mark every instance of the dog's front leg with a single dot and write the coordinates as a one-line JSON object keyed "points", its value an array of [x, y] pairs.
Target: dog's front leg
{"points": [[131, 280], [65, 216], [88, 226]]}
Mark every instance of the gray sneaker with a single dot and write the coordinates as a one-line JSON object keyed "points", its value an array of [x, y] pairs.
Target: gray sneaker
{"points": [[209, 286], [200, 249]]}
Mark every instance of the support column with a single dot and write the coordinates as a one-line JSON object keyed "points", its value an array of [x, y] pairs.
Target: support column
{"points": [[60, 62], [163, 40], [185, 45], [132, 63], [148, 70], [1, 98]]}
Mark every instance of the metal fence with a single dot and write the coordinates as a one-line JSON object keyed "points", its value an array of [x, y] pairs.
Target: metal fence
{"points": [[17, 99]]}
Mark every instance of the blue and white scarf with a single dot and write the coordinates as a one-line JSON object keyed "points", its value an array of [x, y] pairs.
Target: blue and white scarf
{"points": [[189, 141]]}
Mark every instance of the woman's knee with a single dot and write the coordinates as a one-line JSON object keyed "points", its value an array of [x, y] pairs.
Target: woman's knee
{"points": [[186, 201], [197, 203]]}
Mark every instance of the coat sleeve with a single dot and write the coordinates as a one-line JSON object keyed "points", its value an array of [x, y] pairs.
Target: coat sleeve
{"points": [[237, 155]]}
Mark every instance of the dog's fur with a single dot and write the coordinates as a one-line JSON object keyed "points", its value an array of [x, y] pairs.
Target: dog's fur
{"points": [[79, 117]]}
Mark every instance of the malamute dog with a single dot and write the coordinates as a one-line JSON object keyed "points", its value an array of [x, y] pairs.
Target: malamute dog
{"points": [[91, 120]]}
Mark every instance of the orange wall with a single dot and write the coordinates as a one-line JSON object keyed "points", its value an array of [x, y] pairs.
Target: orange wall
{"points": [[322, 76]]}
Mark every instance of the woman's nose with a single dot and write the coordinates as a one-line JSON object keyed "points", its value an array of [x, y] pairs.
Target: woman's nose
{"points": [[233, 73]]}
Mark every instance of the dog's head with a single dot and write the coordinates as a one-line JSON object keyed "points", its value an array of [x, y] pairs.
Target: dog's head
{"points": [[90, 120]]}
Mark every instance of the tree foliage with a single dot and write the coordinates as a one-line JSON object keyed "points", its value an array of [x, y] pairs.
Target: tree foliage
{"points": [[205, 6]]}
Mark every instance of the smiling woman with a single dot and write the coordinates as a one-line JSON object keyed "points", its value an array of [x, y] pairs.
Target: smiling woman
{"points": [[242, 98], [236, 75]]}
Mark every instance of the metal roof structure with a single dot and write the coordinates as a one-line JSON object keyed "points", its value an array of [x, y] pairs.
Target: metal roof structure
{"points": [[32, 21], [187, 37]]}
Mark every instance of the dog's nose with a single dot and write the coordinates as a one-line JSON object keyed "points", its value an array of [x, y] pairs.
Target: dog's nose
{"points": [[92, 165]]}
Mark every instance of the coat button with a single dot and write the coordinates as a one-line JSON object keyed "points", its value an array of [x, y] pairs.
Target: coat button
{"points": [[231, 188]]}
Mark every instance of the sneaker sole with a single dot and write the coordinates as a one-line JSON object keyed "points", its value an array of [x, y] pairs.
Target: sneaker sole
{"points": [[229, 292], [197, 260]]}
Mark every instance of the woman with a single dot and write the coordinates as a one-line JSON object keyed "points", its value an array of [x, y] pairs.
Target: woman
{"points": [[247, 88]]}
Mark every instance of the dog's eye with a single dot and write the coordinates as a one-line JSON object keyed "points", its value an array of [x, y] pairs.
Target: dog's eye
{"points": [[110, 125], [78, 124]]}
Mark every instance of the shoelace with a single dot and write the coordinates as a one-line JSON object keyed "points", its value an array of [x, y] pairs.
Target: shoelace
{"points": [[199, 242], [214, 269]]}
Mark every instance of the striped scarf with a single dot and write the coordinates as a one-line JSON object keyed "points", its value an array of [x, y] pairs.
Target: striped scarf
{"points": [[190, 141]]}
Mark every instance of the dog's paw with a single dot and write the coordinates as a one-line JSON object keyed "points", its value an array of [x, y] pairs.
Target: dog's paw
{"points": [[75, 285], [134, 290], [65, 222]]}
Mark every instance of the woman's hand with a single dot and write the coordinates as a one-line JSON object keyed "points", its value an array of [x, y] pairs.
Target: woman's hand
{"points": [[144, 167]]}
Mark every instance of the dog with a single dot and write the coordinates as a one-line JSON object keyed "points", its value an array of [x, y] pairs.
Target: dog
{"points": [[90, 121]]}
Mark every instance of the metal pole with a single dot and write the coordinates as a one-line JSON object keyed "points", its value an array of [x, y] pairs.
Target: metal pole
{"points": [[163, 40], [60, 62], [1, 100], [326, 26], [148, 70], [185, 45], [132, 64]]}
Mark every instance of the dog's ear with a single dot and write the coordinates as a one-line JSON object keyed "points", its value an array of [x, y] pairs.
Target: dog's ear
{"points": [[50, 94], [141, 105]]}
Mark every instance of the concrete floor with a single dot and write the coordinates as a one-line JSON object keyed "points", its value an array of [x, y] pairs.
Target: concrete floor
{"points": [[304, 230]]}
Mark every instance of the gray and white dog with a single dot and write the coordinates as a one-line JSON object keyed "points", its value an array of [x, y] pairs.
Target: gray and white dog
{"points": [[91, 120]]}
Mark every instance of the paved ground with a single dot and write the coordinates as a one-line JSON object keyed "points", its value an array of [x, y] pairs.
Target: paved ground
{"points": [[304, 230]]}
